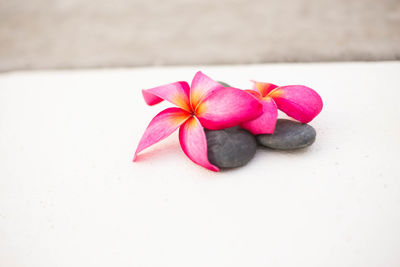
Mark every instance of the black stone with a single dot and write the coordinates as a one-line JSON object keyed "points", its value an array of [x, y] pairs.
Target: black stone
{"points": [[224, 84], [231, 147], [288, 135]]}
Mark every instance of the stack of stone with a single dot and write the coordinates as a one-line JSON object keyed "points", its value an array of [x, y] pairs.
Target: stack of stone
{"points": [[234, 147]]}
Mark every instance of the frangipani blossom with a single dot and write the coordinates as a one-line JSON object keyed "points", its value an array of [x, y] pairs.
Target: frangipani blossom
{"points": [[206, 104], [297, 101]]}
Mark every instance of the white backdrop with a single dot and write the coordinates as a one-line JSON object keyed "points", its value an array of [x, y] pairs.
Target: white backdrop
{"points": [[70, 195]]}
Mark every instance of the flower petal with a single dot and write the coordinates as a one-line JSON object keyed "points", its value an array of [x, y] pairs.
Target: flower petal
{"points": [[265, 123], [201, 86], [176, 93], [161, 126], [263, 88], [194, 143], [227, 107], [298, 101], [254, 93]]}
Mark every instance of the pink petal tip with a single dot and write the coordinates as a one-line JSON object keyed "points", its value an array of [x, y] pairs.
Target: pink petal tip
{"points": [[194, 144]]}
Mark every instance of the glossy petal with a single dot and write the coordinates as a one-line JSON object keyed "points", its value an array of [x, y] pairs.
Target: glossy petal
{"points": [[254, 93], [176, 93], [194, 143], [227, 107], [263, 88], [161, 126], [265, 123], [201, 86], [297, 101]]}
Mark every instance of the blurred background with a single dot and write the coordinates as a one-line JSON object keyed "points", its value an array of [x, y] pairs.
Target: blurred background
{"points": [[44, 34]]}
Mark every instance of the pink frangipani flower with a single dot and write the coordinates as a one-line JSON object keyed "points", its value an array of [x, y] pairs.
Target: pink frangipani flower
{"points": [[297, 101], [206, 104]]}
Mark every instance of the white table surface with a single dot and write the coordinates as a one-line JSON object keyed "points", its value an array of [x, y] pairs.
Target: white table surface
{"points": [[70, 195]]}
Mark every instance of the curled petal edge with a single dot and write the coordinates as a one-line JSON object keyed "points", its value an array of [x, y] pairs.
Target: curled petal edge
{"points": [[265, 123]]}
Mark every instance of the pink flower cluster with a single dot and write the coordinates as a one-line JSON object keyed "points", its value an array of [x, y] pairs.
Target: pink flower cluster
{"points": [[208, 104]]}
